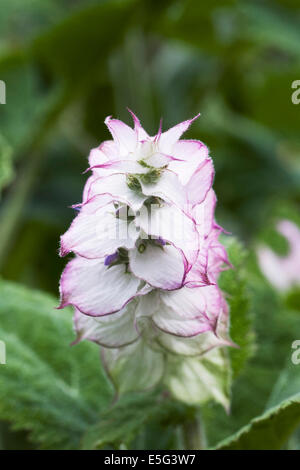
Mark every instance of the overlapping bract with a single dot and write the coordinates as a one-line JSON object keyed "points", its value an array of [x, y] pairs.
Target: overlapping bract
{"points": [[147, 246]]}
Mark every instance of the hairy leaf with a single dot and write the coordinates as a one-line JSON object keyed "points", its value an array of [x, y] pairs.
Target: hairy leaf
{"points": [[119, 425], [234, 283], [47, 387], [269, 431]]}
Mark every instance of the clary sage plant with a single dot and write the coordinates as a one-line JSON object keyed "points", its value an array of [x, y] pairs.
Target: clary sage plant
{"points": [[144, 279]]}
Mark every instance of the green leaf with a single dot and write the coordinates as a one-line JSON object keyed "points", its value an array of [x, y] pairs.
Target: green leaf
{"points": [[275, 330], [6, 169], [234, 283], [288, 383], [47, 387], [119, 425], [269, 431]]}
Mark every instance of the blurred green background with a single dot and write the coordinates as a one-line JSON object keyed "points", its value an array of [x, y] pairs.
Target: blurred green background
{"points": [[67, 64]]}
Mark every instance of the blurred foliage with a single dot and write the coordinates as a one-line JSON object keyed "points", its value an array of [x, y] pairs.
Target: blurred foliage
{"points": [[68, 64], [6, 170]]}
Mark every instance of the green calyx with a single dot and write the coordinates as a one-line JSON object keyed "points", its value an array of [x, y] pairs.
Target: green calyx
{"points": [[142, 248], [121, 259], [133, 183], [150, 177]]}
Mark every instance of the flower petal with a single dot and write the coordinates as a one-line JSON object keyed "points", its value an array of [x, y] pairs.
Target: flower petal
{"points": [[200, 183], [122, 134], [97, 157], [94, 288], [194, 346], [185, 302], [167, 320], [203, 214], [97, 232], [86, 189], [172, 225], [118, 166], [168, 188], [171, 136], [189, 154], [161, 267], [116, 186], [110, 149], [111, 331]]}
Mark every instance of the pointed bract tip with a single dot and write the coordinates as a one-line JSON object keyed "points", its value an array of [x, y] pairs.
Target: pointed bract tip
{"points": [[107, 119], [134, 117], [159, 132], [195, 117]]}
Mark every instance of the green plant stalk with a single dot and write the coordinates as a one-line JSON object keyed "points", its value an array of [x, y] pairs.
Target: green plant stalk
{"points": [[193, 433]]}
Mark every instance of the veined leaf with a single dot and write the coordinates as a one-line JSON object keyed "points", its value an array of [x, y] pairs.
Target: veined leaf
{"points": [[47, 387], [120, 424], [269, 431]]}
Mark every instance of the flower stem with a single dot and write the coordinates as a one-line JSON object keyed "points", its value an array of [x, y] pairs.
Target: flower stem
{"points": [[193, 433]]}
